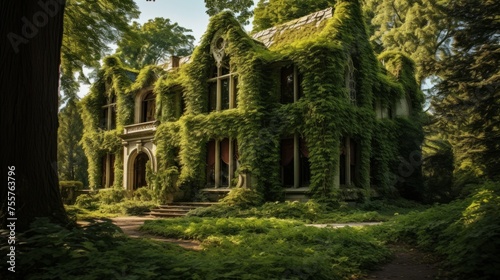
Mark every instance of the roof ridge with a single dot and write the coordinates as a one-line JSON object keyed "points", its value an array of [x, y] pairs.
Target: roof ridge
{"points": [[266, 36]]}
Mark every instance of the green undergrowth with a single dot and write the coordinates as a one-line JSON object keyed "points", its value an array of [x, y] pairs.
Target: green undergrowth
{"points": [[232, 249], [255, 248], [311, 211], [110, 203], [465, 233]]}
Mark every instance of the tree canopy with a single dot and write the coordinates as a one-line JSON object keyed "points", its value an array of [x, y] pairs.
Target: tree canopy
{"points": [[420, 29], [241, 8], [89, 28], [154, 42], [468, 99]]}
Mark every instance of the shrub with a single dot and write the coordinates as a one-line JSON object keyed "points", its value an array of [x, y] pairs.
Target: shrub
{"points": [[243, 198], [465, 232], [87, 202], [144, 194], [110, 196], [68, 189]]}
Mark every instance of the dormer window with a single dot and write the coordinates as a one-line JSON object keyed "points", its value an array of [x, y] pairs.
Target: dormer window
{"points": [[148, 108], [108, 119], [291, 82], [222, 84]]}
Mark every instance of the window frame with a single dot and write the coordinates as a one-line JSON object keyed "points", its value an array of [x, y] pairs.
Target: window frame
{"points": [[218, 80], [109, 113]]}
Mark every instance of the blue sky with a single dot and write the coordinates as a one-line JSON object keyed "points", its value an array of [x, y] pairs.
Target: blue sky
{"points": [[189, 14]]}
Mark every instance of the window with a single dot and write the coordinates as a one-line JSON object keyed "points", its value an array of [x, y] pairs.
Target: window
{"points": [[108, 118], [148, 108], [107, 170], [140, 171], [349, 162], [222, 160], [291, 82], [402, 107], [350, 81], [295, 166], [222, 84], [222, 90], [179, 100]]}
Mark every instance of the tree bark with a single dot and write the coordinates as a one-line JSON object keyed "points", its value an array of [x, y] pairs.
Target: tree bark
{"points": [[31, 39]]}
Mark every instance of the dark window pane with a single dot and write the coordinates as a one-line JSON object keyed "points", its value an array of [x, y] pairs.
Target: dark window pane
{"points": [[287, 151], [213, 72], [235, 91], [112, 169], [104, 118], [212, 97], [113, 117], [211, 163], [103, 171], [224, 174], [287, 85], [148, 108], [225, 94]]}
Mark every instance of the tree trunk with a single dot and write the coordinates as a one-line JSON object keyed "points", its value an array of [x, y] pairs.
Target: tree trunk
{"points": [[31, 33]]}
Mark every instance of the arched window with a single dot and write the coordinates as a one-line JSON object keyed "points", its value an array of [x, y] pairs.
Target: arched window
{"points": [[148, 108], [223, 81]]}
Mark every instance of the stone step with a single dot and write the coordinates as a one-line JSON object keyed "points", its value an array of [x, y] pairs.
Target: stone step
{"points": [[165, 214], [192, 204], [177, 209], [171, 210]]}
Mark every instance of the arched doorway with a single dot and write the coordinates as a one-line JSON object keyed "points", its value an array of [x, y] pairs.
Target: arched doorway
{"points": [[140, 171]]}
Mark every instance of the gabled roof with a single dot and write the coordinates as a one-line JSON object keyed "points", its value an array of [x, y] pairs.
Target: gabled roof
{"points": [[313, 22]]}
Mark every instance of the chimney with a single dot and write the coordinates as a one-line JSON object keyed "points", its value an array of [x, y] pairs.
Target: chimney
{"points": [[174, 61]]}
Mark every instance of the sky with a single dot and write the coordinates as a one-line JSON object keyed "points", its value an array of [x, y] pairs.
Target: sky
{"points": [[189, 14]]}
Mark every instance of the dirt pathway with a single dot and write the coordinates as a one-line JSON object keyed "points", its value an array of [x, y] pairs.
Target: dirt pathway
{"points": [[408, 264], [130, 226]]}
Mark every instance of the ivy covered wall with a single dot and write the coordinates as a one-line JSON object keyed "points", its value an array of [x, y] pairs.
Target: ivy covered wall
{"points": [[121, 83], [324, 114]]}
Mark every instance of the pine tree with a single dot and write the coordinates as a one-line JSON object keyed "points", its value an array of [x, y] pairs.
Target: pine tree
{"points": [[468, 103]]}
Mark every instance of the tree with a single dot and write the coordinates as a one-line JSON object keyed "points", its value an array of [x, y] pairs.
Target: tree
{"points": [[240, 7], [269, 13], [154, 42], [29, 82], [419, 29], [468, 98], [89, 28], [71, 159]]}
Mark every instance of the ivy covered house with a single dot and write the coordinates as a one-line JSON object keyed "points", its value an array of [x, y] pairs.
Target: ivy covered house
{"points": [[303, 109]]}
